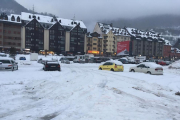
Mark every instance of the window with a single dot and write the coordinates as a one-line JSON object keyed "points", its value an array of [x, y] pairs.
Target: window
{"points": [[94, 43], [94, 48], [9, 32], [14, 32], [95, 39]]}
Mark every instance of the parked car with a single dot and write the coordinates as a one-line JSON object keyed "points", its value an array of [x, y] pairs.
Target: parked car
{"points": [[13, 56], [161, 62], [3, 55], [64, 60], [79, 59], [22, 58], [104, 59], [95, 60], [70, 58], [147, 67], [8, 63], [168, 62], [124, 61], [1, 65], [51, 65], [112, 66]]}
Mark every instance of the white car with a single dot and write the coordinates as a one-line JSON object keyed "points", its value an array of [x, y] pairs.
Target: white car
{"points": [[8, 63], [148, 67]]}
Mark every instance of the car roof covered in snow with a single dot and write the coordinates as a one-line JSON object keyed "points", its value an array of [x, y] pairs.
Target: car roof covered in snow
{"points": [[115, 62], [151, 64]]}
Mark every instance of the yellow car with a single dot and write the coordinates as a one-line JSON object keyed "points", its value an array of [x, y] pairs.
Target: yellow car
{"points": [[112, 66]]}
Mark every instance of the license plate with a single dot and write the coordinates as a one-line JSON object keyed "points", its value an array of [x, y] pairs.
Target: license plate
{"points": [[53, 66]]}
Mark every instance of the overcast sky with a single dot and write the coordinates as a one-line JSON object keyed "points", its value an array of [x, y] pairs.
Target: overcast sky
{"points": [[92, 11]]}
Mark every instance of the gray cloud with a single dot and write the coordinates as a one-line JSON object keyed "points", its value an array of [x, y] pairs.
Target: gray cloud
{"points": [[96, 10]]}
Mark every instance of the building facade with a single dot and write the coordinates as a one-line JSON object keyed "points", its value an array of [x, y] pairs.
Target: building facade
{"points": [[106, 31], [10, 32], [38, 32], [94, 44], [145, 43]]}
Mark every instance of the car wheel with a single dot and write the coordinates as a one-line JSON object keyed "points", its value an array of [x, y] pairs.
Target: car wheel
{"points": [[17, 68], [132, 70], [112, 69], [100, 68], [149, 72], [45, 69]]}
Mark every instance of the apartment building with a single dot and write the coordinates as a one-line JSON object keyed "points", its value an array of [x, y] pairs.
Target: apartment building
{"points": [[145, 43], [38, 32], [10, 32], [94, 43], [111, 36], [108, 37], [62, 36]]}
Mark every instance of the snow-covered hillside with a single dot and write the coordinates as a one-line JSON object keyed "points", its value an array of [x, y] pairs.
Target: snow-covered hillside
{"points": [[82, 92]]}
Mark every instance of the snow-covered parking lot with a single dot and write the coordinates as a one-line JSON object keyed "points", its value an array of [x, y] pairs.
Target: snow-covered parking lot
{"points": [[82, 92]]}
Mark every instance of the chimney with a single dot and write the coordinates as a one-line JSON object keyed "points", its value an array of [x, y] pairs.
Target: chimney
{"points": [[111, 24]]}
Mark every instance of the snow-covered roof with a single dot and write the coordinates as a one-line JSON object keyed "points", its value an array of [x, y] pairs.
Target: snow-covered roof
{"points": [[48, 19], [115, 62], [68, 22], [151, 64], [106, 28], [10, 16], [167, 42], [42, 18]]}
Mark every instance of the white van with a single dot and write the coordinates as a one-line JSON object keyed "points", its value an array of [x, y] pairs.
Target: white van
{"points": [[79, 59]]}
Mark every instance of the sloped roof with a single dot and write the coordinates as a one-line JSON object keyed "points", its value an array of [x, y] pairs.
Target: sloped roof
{"points": [[47, 19], [105, 28]]}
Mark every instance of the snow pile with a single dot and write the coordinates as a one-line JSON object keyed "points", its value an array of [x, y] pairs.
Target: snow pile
{"points": [[175, 65]]}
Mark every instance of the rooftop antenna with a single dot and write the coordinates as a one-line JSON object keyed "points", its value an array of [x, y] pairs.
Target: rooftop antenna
{"points": [[74, 18], [33, 9]]}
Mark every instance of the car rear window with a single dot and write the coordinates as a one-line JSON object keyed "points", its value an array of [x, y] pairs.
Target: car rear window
{"points": [[5, 61]]}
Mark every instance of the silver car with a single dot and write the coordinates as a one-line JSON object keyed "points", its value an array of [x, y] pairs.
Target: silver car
{"points": [[8, 64]]}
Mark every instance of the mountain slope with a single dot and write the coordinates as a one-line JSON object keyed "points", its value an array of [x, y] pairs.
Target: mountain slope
{"points": [[11, 7]]}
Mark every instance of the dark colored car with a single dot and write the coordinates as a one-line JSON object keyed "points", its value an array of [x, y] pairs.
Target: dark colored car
{"points": [[22, 58], [95, 60], [124, 61], [104, 59], [51, 65]]}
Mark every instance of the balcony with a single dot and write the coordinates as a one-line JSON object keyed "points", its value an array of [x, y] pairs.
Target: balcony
{"points": [[114, 38], [105, 50], [105, 37], [113, 46], [114, 42], [113, 50], [105, 45], [105, 41], [99, 45], [89, 44]]}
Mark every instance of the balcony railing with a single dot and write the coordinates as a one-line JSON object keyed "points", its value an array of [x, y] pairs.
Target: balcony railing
{"points": [[105, 37], [89, 44], [105, 41]]}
